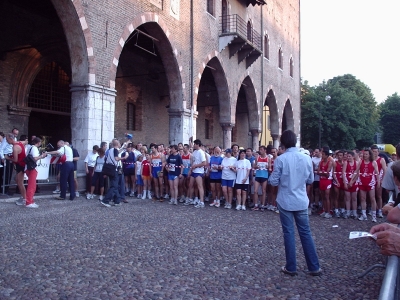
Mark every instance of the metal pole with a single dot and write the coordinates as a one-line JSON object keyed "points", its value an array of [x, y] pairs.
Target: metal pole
{"points": [[389, 280]]}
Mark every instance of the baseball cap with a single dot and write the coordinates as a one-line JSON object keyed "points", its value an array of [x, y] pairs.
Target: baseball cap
{"points": [[229, 150]]}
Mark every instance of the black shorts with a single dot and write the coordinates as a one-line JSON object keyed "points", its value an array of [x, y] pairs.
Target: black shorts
{"points": [[215, 180], [129, 172], [316, 185], [19, 168], [261, 179], [243, 187]]}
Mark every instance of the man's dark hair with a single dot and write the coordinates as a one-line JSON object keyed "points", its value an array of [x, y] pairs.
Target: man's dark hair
{"points": [[350, 152], [15, 128], [251, 149], [174, 146], [288, 139], [373, 147], [35, 140], [262, 147], [102, 144], [197, 142], [186, 145], [234, 146], [396, 170], [95, 147], [23, 137], [325, 150]]}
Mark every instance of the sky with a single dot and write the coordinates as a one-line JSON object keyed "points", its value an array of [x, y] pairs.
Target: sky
{"points": [[358, 37]]}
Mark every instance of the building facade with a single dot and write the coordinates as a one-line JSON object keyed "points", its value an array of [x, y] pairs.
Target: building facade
{"points": [[165, 70]]}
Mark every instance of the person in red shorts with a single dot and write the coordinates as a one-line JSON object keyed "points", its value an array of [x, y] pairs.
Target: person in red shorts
{"points": [[338, 184], [146, 176], [325, 183], [367, 171], [350, 184]]}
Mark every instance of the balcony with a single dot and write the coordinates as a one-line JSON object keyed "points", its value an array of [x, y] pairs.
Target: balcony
{"points": [[241, 38]]}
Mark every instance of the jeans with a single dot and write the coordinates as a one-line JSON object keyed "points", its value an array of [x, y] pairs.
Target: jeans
{"points": [[303, 227], [121, 186], [113, 192], [67, 176]]}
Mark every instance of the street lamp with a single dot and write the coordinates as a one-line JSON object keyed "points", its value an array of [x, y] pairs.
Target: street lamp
{"points": [[327, 98]]}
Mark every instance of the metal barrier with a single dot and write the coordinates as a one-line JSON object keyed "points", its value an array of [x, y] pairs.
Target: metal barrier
{"points": [[390, 288], [51, 177]]}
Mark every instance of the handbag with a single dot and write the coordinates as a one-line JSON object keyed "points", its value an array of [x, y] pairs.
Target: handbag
{"points": [[108, 169], [30, 161], [59, 159]]}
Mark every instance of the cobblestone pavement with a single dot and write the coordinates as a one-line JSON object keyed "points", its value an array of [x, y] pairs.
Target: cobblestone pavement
{"points": [[150, 250]]}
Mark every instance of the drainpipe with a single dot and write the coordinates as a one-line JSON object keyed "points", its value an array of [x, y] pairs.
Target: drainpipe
{"points": [[262, 77], [191, 70]]}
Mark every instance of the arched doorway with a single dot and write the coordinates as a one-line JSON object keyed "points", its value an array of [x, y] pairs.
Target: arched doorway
{"points": [[287, 118], [270, 130], [148, 86], [213, 105]]}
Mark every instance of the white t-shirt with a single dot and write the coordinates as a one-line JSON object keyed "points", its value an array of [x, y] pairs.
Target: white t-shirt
{"points": [[34, 152], [198, 157], [227, 173], [68, 153], [242, 167], [138, 167], [316, 161], [91, 159]]}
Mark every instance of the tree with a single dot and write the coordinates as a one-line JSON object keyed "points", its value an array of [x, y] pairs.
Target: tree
{"points": [[348, 120], [390, 118]]}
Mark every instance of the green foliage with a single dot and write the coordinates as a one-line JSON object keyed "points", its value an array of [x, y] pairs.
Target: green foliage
{"points": [[348, 120], [390, 119]]}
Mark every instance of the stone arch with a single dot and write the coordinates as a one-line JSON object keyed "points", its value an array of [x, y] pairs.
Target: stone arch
{"points": [[168, 55], [221, 83], [270, 101], [252, 104], [287, 117], [79, 39]]}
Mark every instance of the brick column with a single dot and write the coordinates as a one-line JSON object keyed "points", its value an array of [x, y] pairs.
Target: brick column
{"points": [[275, 139], [227, 134], [179, 125], [92, 118], [255, 141]]}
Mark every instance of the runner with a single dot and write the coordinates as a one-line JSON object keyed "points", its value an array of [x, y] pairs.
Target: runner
{"points": [[228, 177], [184, 180], [261, 164], [242, 169], [174, 166], [215, 176], [338, 185], [350, 185], [325, 183], [157, 161]]}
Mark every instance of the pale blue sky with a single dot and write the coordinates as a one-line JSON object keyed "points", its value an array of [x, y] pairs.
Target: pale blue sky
{"points": [[359, 37]]}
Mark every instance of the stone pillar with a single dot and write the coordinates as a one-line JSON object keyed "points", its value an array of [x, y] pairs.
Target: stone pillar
{"points": [[179, 125], [275, 139], [20, 118], [92, 119], [227, 134], [255, 138]]}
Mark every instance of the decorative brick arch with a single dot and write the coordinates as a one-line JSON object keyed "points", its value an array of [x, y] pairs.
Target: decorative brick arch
{"points": [[79, 39], [270, 101], [287, 116], [168, 55], [252, 103], [214, 60]]}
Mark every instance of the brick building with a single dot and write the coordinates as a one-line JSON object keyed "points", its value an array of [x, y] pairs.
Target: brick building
{"points": [[164, 70]]}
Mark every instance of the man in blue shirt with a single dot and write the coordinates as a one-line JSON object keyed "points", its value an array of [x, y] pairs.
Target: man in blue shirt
{"points": [[292, 171]]}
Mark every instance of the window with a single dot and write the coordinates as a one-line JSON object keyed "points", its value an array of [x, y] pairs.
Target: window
{"points": [[130, 116], [266, 46], [249, 32], [291, 67], [50, 90], [207, 129], [210, 7], [280, 58]]}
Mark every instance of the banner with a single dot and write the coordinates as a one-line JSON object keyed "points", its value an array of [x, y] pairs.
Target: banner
{"points": [[42, 168]]}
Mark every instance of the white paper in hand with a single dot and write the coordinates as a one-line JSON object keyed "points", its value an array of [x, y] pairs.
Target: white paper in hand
{"points": [[360, 234]]}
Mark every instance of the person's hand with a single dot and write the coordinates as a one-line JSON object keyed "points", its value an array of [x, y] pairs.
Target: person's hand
{"points": [[244, 181], [384, 227], [387, 208], [389, 242]]}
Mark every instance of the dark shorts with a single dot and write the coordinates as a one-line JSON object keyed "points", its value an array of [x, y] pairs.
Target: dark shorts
{"points": [[215, 180], [194, 175], [240, 186], [228, 183], [316, 185], [172, 177], [129, 172], [261, 179], [19, 168], [98, 176]]}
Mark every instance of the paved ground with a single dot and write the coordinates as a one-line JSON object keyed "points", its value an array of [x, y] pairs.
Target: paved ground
{"points": [[145, 250]]}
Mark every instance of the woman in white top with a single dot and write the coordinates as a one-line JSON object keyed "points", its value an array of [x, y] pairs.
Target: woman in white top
{"points": [[242, 169], [98, 175], [228, 177], [90, 161]]}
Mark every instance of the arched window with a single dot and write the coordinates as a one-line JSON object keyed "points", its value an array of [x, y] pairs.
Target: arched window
{"points": [[291, 67], [249, 32], [280, 58], [130, 116], [224, 16], [266, 46], [210, 7]]}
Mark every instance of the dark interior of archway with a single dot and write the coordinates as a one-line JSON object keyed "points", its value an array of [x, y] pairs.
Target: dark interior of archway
{"points": [[27, 24], [241, 105], [208, 94], [284, 123]]}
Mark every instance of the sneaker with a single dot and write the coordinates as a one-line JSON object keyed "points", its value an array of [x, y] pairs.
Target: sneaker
{"points": [[238, 207], [374, 219], [346, 216], [20, 201], [380, 214], [217, 204], [328, 216], [314, 273], [322, 214], [175, 202], [171, 201], [243, 207], [139, 196], [117, 204], [166, 196], [105, 204], [33, 205], [199, 205], [149, 195], [188, 201], [196, 201], [214, 203], [101, 198], [144, 196], [77, 194], [182, 199], [337, 214], [89, 196], [132, 194], [229, 206], [59, 198], [206, 199], [56, 191], [363, 218]]}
